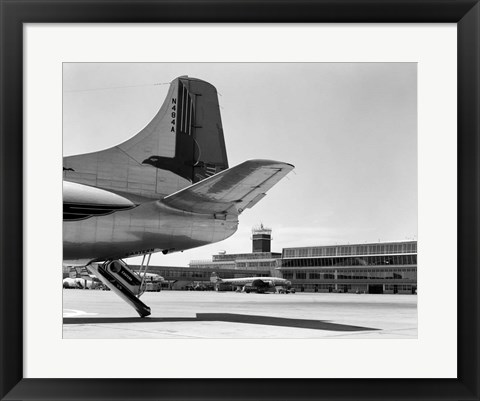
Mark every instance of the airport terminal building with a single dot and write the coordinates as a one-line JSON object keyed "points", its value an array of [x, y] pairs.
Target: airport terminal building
{"points": [[378, 268], [198, 272], [375, 268]]}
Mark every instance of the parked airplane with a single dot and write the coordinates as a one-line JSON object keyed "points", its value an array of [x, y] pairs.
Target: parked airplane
{"points": [[152, 277], [81, 278], [166, 189], [77, 282], [256, 284]]}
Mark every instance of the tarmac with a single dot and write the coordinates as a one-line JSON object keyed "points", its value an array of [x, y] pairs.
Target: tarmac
{"points": [[96, 314]]}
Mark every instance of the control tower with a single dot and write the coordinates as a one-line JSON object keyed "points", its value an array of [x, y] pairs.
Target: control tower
{"points": [[261, 239]]}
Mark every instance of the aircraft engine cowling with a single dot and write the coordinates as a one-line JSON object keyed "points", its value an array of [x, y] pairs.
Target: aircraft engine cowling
{"points": [[83, 201], [262, 284]]}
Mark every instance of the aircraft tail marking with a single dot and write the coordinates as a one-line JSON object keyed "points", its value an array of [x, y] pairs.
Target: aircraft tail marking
{"points": [[186, 136]]}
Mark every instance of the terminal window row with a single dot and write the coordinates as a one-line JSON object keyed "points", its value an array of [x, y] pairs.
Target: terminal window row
{"points": [[358, 275], [399, 287], [168, 274], [364, 249], [212, 265], [352, 261], [272, 263], [256, 255], [353, 287], [343, 270]]}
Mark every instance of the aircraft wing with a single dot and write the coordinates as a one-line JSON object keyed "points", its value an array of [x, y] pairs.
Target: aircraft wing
{"points": [[239, 187], [260, 283]]}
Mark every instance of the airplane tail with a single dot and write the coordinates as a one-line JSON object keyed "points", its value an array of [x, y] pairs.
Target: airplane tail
{"points": [[182, 145], [215, 279]]}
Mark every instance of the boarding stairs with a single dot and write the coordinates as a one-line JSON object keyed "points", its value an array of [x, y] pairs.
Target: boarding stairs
{"points": [[125, 282]]}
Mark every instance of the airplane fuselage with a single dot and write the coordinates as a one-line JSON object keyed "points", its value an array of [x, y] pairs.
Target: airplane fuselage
{"points": [[248, 281], [149, 227]]}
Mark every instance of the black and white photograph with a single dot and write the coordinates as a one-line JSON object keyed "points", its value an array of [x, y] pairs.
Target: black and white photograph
{"points": [[259, 200], [240, 200]]}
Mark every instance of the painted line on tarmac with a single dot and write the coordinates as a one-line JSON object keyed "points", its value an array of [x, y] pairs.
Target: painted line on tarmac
{"points": [[76, 313]]}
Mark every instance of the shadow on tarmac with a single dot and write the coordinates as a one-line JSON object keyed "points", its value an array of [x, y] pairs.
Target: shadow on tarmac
{"points": [[223, 317]]}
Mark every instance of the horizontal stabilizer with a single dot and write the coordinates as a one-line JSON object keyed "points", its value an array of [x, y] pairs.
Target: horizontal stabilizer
{"points": [[239, 187]]}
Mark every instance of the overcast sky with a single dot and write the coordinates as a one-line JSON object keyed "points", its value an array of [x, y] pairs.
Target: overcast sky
{"points": [[350, 129]]}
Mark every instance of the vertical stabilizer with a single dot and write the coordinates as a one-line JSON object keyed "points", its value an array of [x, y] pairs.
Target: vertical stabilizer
{"points": [[183, 144], [192, 145]]}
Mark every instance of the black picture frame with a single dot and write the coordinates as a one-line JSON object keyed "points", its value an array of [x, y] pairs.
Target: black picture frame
{"points": [[465, 13]]}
